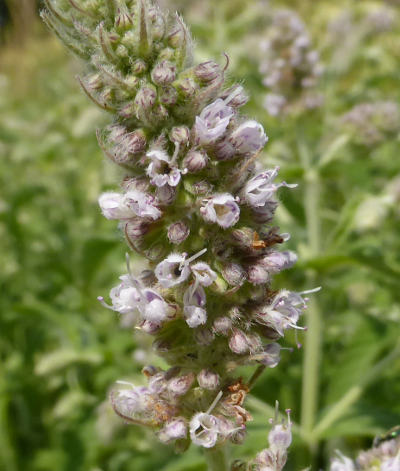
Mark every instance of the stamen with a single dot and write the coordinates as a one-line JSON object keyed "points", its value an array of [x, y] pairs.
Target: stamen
{"points": [[315, 290], [101, 299], [215, 402], [197, 255], [125, 383]]}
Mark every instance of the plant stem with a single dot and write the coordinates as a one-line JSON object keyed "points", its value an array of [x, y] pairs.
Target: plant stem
{"points": [[216, 459], [312, 350]]}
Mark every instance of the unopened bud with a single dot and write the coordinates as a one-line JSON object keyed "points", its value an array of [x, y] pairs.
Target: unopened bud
{"points": [[195, 161], [164, 73], [243, 237], [233, 273], [146, 98], [174, 430], [203, 336], [237, 94], [169, 96], [180, 135], [149, 327], [178, 232], [239, 465], [136, 228], [238, 437], [239, 342], [149, 371], [161, 346], [123, 20], [135, 142], [257, 274], [224, 150], [94, 82], [122, 51], [186, 86], [181, 385], [202, 188], [138, 67], [222, 325], [177, 37], [207, 71], [207, 379]]}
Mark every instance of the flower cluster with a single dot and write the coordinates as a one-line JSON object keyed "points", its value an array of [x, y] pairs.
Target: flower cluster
{"points": [[197, 206], [371, 123], [290, 67], [383, 456]]}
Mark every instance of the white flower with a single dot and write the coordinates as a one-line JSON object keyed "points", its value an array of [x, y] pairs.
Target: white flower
{"points": [[204, 429], [125, 297], [112, 206], [194, 301], [152, 307], [203, 273], [221, 209], [172, 271], [213, 121], [249, 137], [160, 170], [342, 463]]}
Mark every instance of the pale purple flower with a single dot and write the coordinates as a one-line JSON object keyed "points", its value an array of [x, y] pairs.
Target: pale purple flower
{"points": [[221, 209], [248, 138], [204, 429], [194, 300], [173, 270], [141, 204], [391, 464], [270, 356], [212, 122], [275, 262], [283, 312], [180, 385], [160, 169], [203, 273], [260, 189], [174, 430]]}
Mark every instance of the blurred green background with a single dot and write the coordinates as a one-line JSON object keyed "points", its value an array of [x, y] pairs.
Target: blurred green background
{"points": [[61, 351]]}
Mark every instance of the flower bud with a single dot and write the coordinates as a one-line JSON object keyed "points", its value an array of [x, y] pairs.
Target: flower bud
{"points": [[149, 371], [122, 20], [233, 273], [208, 379], [95, 82], [239, 465], [186, 86], [147, 278], [169, 96], [224, 150], [150, 327], [257, 274], [237, 94], [239, 342], [136, 228], [178, 232], [179, 135], [203, 336], [195, 161], [202, 188], [174, 430], [161, 346], [166, 194], [222, 325], [177, 37], [138, 67], [146, 97], [163, 73], [248, 138], [207, 71], [181, 385], [238, 437]]}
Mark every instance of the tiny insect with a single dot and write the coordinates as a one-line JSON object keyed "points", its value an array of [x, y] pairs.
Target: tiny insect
{"points": [[390, 435]]}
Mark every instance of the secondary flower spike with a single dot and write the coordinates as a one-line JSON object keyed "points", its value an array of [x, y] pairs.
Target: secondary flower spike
{"points": [[194, 202]]}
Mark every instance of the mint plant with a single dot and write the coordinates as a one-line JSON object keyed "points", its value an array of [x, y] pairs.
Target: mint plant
{"points": [[195, 202]]}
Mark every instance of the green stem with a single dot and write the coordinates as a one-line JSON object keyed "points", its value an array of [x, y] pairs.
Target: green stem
{"points": [[312, 349], [340, 408], [216, 459]]}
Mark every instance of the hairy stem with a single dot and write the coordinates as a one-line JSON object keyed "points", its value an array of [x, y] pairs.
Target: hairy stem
{"points": [[217, 459]]}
